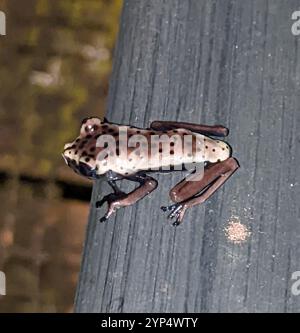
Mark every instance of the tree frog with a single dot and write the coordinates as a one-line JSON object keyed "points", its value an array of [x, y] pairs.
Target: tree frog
{"points": [[116, 152]]}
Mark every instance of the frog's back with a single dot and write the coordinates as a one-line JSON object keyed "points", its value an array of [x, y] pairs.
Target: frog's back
{"points": [[140, 149], [127, 150]]}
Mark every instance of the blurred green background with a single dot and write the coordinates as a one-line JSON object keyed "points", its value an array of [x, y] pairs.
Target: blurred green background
{"points": [[55, 63]]}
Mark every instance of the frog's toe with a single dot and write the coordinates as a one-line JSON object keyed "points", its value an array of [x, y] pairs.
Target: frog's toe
{"points": [[103, 219], [177, 216], [168, 208], [176, 223], [177, 212]]}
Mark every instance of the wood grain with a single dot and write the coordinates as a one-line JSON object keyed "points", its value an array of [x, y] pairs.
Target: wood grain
{"points": [[234, 63]]}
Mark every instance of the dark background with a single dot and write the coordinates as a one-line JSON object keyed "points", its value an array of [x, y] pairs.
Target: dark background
{"points": [[55, 62]]}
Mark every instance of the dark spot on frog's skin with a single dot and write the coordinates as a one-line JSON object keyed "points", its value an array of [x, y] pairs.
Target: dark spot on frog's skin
{"points": [[105, 156], [218, 160], [138, 132], [152, 133], [87, 159], [116, 134], [92, 149], [84, 154], [76, 152], [160, 150], [88, 136], [172, 144], [104, 126], [223, 148], [172, 152], [91, 156], [117, 151], [213, 150], [97, 136], [174, 131], [111, 130], [105, 145], [82, 144], [77, 140], [206, 147]]}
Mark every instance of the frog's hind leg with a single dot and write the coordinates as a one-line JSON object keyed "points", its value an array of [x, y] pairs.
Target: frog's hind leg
{"points": [[216, 130], [189, 193], [120, 199]]}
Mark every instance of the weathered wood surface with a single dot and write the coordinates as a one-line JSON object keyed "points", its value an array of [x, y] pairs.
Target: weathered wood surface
{"points": [[229, 62]]}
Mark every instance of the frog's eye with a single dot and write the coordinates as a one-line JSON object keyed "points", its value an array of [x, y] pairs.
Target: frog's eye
{"points": [[90, 125]]}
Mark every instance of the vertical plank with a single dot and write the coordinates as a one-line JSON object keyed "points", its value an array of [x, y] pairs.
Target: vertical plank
{"points": [[230, 62]]}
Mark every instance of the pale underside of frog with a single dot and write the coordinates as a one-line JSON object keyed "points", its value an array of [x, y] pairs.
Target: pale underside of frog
{"points": [[117, 152]]}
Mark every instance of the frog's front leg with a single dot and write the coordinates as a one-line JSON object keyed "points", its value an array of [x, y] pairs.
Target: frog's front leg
{"points": [[189, 193], [120, 199], [112, 177]]}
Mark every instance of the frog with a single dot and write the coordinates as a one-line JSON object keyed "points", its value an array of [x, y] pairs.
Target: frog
{"points": [[116, 152]]}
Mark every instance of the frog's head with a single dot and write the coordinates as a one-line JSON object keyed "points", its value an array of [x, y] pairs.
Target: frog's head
{"points": [[80, 155]]}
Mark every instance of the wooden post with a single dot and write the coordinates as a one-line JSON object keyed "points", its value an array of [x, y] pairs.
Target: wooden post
{"points": [[226, 62]]}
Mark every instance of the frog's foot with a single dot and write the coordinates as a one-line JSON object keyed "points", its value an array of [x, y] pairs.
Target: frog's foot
{"points": [[189, 193], [177, 211], [113, 202], [120, 199]]}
